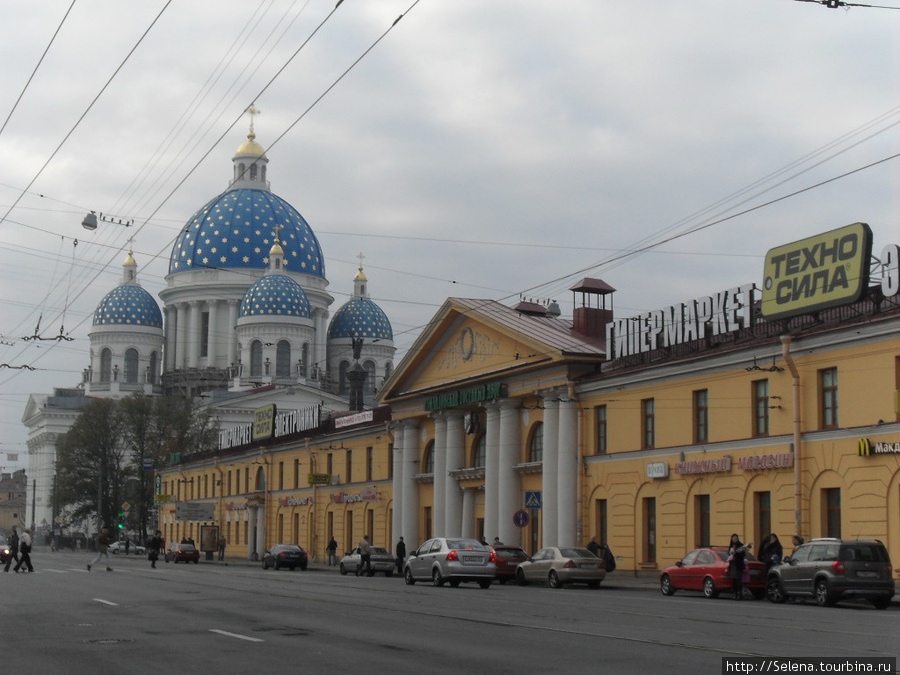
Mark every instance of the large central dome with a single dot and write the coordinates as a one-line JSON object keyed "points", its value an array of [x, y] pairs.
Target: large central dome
{"points": [[236, 230]]}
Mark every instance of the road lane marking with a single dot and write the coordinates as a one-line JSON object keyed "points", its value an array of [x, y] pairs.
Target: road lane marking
{"points": [[235, 635], [106, 602]]}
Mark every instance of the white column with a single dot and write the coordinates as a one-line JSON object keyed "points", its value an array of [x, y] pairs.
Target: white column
{"points": [[171, 331], [491, 470], [568, 473], [319, 355], [230, 333], [468, 513], [194, 335], [260, 531], [182, 328], [455, 460], [213, 336], [397, 485], [508, 484], [410, 521], [550, 478], [440, 474]]}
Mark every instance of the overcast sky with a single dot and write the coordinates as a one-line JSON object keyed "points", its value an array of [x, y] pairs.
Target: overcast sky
{"points": [[483, 148]]}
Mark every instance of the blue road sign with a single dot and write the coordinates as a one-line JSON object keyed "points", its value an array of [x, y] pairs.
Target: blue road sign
{"points": [[533, 499]]}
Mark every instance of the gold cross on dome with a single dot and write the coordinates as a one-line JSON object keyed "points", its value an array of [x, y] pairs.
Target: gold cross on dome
{"points": [[360, 256], [275, 230], [253, 110]]}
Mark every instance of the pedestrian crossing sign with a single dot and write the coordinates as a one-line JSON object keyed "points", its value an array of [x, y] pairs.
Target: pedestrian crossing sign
{"points": [[533, 499]]}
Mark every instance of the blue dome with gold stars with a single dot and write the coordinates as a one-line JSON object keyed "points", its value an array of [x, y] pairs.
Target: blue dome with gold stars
{"points": [[275, 295], [235, 230], [128, 305], [360, 317]]}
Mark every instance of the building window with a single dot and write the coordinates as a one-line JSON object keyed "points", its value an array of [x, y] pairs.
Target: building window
{"points": [[602, 513], [369, 367], [154, 366], [536, 447], [281, 475], [480, 451], [304, 360], [428, 463], [648, 423], [831, 512], [283, 359], [329, 464], [131, 366], [761, 408], [256, 358], [701, 520], [763, 507], [828, 388], [348, 465], [649, 525], [105, 365], [369, 462], [429, 522], [600, 417], [390, 461], [296, 474], [701, 416], [204, 334]]}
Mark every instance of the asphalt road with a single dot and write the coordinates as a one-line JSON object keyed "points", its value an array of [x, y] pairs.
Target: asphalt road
{"points": [[238, 618]]}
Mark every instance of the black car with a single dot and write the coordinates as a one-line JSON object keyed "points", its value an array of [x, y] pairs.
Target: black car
{"points": [[186, 553], [285, 555], [830, 570]]}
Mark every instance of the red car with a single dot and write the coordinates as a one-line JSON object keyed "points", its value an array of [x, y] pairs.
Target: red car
{"points": [[508, 558], [705, 569]]}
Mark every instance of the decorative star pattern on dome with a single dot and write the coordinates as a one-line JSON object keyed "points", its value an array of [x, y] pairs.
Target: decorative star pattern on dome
{"points": [[128, 305], [361, 317], [275, 295], [235, 230]]}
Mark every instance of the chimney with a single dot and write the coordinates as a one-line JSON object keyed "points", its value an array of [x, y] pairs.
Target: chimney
{"points": [[591, 317]]}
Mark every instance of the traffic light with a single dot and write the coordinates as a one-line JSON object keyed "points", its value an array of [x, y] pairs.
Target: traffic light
{"points": [[121, 520]]}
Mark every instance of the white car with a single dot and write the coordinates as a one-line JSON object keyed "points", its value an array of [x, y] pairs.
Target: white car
{"points": [[381, 561], [119, 547]]}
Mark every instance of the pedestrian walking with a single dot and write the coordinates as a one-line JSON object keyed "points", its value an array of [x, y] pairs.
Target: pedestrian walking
{"points": [[13, 549], [24, 552], [153, 548], [331, 550], [221, 544], [401, 554], [365, 557], [102, 550]]}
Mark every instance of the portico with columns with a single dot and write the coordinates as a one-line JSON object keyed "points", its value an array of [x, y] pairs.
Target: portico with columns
{"points": [[486, 427]]}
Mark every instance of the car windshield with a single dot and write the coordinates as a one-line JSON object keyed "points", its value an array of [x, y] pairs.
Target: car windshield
{"points": [[466, 544]]}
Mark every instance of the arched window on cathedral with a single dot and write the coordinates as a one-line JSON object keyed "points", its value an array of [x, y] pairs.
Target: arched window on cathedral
{"points": [[253, 171], [536, 446], [131, 366], [343, 382], [304, 360], [369, 367], [242, 168], [428, 461], [151, 373], [263, 172], [388, 369], [283, 359], [479, 451], [106, 365], [256, 358]]}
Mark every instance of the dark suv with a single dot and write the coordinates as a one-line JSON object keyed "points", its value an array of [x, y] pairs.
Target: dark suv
{"points": [[835, 569]]}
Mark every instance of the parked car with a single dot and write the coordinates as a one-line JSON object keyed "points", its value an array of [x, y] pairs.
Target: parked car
{"points": [[560, 566], [285, 555], [451, 560], [5, 551], [831, 570], [182, 553], [380, 559], [508, 559], [119, 547], [705, 569]]}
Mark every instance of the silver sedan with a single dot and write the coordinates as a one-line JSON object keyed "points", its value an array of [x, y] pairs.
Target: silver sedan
{"points": [[560, 566], [380, 559], [451, 560]]}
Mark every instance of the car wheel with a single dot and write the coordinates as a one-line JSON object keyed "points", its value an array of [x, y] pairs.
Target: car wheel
{"points": [[485, 584], [823, 596], [553, 580], [665, 585], [882, 603], [520, 578], [342, 570], [436, 577], [709, 588], [775, 591], [408, 577]]}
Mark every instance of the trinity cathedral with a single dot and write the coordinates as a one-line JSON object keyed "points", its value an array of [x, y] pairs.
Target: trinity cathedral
{"points": [[245, 316]]}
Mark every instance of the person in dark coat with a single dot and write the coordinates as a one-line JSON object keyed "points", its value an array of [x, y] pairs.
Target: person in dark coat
{"points": [[400, 553], [13, 549], [737, 553], [153, 548], [771, 552]]}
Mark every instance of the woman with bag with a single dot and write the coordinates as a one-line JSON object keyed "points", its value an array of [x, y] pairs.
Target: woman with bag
{"points": [[737, 552], [153, 547]]}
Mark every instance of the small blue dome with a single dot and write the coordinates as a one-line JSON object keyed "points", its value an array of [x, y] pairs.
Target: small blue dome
{"points": [[275, 295], [360, 317], [128, 304], [236, 229]]}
